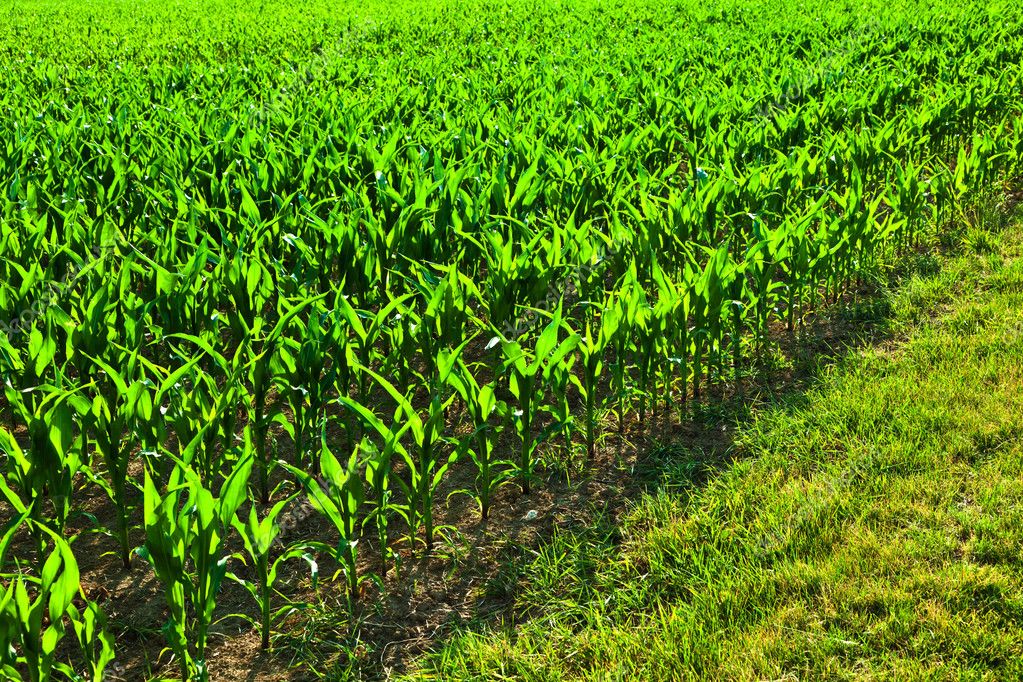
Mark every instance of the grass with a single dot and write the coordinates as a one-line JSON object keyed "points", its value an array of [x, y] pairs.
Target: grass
{"points": [[867, 528]]}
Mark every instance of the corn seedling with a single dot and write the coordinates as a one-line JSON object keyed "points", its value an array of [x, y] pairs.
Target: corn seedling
{"points": [[187, 528]]}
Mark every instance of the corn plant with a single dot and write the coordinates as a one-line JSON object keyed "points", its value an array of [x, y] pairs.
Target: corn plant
{"points": [[527, 373], [187, 530], [260, 536], [94, 640], [112, 418], [338, 495], [35, 610], [622, 310], [304, 383], [378, 461], [44, 475], [426, 463], [369, 328], [591, 349], [482, 404], [261, 374]]}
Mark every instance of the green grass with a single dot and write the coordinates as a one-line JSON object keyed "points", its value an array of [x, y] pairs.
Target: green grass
{"points": [[869, 528]]}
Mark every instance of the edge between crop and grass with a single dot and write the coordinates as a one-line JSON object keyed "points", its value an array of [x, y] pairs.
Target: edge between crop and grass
{"points": [[868, 528]]}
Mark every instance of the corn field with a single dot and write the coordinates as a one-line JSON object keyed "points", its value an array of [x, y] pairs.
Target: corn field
{"points": [[257, 256]]}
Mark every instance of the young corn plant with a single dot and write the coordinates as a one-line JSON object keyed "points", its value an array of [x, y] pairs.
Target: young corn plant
{"points": [[262, 371], [591, 349], [369, 328], [94, 640], [426, 463], [202, 414], [304, 383], [112, 419], [378, 462], [44, 475], [339, 496], [710, 311], [187, 529], [482, 404], [35, 610], [528, 373], [260, 536], [650, 337], [623, 306], [672, 309]]}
